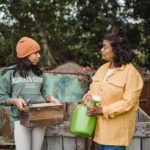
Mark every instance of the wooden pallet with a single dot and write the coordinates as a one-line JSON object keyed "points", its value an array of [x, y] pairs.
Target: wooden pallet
{"points": [[6, 145]]}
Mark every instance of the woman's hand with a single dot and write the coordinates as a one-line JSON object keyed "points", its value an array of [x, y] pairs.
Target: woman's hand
{"points": [[96, 110], [86, 99], [52, 99], [19, 103]]}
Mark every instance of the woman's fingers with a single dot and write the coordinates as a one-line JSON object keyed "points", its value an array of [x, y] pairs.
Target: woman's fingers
{"points": [[83, 101], [94, 111], [89, 110], [86, 99], [20, 104], [54, 100], [48, 99]]}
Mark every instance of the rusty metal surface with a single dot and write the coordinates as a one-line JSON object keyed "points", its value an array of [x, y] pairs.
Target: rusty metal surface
{"points": [[6, 125], [67, 87]]}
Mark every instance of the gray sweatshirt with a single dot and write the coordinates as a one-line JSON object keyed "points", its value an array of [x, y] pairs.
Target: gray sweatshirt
{"points": [[30, 88]]}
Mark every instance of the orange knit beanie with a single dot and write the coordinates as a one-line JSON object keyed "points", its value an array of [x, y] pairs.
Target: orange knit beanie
{"points": [[26, 46]]}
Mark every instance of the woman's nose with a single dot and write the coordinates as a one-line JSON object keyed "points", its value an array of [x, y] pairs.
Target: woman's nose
{"points": [[102, 49]]}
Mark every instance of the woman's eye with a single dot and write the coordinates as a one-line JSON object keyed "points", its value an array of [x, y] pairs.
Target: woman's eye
{"points": [[37, 53]]}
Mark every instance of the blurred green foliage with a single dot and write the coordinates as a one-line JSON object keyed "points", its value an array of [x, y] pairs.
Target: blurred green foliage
{"points": [[72, 30]]}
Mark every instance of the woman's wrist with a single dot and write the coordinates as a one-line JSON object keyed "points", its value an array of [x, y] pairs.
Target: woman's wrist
{"points": [[11, 101]]}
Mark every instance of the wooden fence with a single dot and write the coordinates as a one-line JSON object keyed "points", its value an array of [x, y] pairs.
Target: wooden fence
{"points": [[60, 138]]}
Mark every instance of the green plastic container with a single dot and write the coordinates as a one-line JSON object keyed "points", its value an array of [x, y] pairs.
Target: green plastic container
{"points": [[81, 124]]}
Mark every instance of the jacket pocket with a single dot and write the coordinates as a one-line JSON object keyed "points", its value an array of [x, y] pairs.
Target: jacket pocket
{"points": [[116, 83]]}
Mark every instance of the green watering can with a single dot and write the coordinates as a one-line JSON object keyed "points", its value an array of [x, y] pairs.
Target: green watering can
{"points": [[81, 124]]}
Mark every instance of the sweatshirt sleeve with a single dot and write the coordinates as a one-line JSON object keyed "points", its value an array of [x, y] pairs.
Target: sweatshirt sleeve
{"points": [[5, 89], [132, 91]]}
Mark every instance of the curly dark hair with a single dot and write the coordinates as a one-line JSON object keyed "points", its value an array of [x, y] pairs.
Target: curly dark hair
{"points": [[120, 45], [23, 66]]}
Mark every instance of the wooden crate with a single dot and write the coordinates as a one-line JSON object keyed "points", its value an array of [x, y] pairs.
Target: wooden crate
{"points": [[44, 114]]}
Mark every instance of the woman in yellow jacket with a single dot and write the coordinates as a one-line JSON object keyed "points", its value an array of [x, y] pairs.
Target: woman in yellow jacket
{"points": [[119, 85]]}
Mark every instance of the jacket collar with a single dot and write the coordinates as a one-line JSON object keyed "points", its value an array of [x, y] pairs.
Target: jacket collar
{"points": [[114, 72], [117, 68], [120, 68], [100, 74]]}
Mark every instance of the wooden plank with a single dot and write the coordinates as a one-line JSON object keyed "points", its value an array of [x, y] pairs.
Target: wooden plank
{"points": [[145, 143], [80, 143], [69, 143], [142, 116], [69, 109], [89, 144], [96, 147], [142, 129], [44, 145], [54, 143], [135, 145], [59, 130], [6, 145], [39, 105]]}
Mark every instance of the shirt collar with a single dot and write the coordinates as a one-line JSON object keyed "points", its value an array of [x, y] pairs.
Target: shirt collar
{"points": [[117, 68]]}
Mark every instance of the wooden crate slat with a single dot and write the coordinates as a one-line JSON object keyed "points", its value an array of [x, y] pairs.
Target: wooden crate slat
{"points": [[80, 143], [142, 129], [69, 143], [54, 143], [135, 145], [145, 143], [44, 145]]}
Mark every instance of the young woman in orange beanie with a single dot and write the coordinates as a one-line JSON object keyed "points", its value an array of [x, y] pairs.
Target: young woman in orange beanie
{"points": [[23, 80]]}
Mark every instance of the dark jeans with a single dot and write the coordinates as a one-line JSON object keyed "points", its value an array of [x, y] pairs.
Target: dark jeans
{"points": [[108, 147]]}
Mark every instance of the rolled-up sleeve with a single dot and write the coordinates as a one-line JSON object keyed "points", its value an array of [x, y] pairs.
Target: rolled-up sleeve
{"points": [[132, 91]]}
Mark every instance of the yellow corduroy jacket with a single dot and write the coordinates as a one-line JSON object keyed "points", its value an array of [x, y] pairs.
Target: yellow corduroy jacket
{"points": [[120, 100]]}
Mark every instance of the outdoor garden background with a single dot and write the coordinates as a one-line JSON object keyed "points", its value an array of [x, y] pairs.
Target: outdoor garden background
{"points": [[72, 31]]}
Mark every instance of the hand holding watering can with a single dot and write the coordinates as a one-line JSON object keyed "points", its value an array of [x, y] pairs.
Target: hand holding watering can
{"points": [[93, 105]]}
